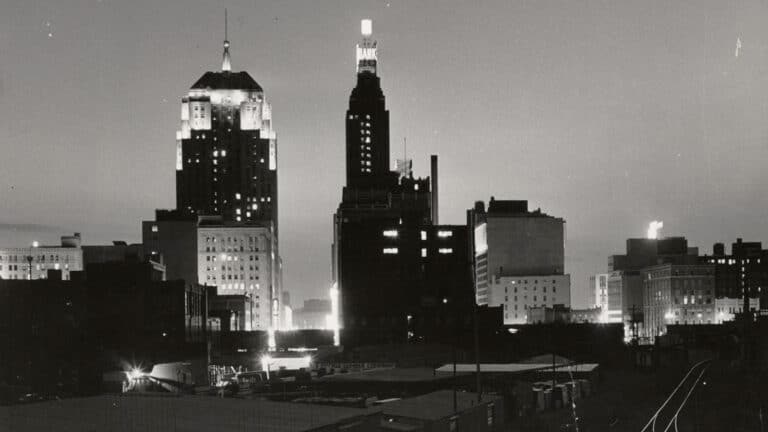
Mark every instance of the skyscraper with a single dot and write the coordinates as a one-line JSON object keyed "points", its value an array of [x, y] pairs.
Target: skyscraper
{"points": [[367, 121], [400, 277], [226, 149], [226, 220]]}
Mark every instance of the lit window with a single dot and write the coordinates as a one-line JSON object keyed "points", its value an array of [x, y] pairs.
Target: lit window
{"points": [[416, 186], [237, 211], [390, 251], [444, 234], [223, 153], [390, 233], [154, 228], [254, 206], [237, 196], [423, 252], [423, 235], [445, 250]]}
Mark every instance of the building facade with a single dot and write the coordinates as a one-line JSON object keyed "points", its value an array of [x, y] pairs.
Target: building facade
{"points": [[398, 274], [743, 271], [511, 243], [598, 284], [34, 262], [727, 308], [517, 295], [224, 230], [240, 260], [677, 294]]}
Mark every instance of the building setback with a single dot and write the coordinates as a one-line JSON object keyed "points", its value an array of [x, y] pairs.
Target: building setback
{"points": [[398, 274], [224, 230]]}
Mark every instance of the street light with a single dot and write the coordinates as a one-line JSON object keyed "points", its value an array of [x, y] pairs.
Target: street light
{"points": [[266, 359]]}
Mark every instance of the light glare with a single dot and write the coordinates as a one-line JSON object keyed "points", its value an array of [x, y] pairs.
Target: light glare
{"points": [[366, 27]]}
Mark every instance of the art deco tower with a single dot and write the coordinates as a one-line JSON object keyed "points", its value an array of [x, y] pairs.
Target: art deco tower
{"points": [[226, 150], [223, 232], [367, 120]]}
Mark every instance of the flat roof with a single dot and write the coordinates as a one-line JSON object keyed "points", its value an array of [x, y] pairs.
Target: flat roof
{"points": [[157, 412], [390, 375], [515, 367], [435, 405]]}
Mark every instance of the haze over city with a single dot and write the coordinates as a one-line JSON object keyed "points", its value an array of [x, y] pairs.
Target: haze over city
{"points": [[607, 115]]}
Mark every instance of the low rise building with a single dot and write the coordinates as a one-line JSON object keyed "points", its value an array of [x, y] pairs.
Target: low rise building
{"points": [[33, 262], [518, 294], [436, 412], [313, 315], [727, 308]]}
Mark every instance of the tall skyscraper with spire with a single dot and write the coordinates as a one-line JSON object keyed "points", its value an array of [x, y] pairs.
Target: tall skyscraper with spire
{"points": [[367, 121], [393, 268], [226, 218], [226, 149]]}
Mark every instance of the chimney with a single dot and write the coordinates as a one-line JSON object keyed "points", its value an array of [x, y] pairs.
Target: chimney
{"points": [[433, 178]]}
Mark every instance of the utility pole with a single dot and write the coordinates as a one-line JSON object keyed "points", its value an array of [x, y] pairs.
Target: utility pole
{"points": [[554, 369]]}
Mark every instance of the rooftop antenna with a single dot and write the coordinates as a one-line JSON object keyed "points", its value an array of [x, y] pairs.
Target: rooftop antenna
{"points": [[226, 64]]}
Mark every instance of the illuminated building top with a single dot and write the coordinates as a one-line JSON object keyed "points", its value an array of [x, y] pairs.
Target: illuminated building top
{"points": [[366, 49], [226, 63], [226, 149]]}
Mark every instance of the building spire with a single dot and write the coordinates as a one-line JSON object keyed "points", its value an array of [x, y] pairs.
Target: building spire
{"points": [[226, 64]]}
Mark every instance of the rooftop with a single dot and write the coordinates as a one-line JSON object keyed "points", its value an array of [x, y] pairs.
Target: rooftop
{"points": [[188, 413], [390, 375], [226, 80], [434, 406]]}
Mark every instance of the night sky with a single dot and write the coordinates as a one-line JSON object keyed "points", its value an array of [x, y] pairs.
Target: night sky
{"points": [[608, 114]]}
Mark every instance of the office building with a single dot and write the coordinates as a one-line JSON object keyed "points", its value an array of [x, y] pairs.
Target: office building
{"points": [[33, 262], [518, 249], [726, 309], [625, 283], [677, 294], [744, 270], [240, 260], [518, 294], [224, 230], [398, 273]]}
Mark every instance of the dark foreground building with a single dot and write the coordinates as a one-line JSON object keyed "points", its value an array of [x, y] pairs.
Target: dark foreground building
{"points": [[63, 334], [401, 277]]}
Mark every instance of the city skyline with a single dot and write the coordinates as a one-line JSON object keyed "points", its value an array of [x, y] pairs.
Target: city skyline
{"points": [[586, 124]]}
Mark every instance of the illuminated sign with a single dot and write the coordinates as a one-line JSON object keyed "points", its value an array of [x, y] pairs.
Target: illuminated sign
{"points": [[481, 239]]}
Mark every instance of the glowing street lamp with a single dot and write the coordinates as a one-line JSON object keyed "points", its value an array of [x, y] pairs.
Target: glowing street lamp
{"points": [[266, 360]]}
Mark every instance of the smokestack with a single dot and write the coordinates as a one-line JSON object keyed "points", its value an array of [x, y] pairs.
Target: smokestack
{"points": [[433, 178]]}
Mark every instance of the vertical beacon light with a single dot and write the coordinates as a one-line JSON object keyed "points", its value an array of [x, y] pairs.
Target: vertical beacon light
{"points": [[366, 27], [334, 321]]}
